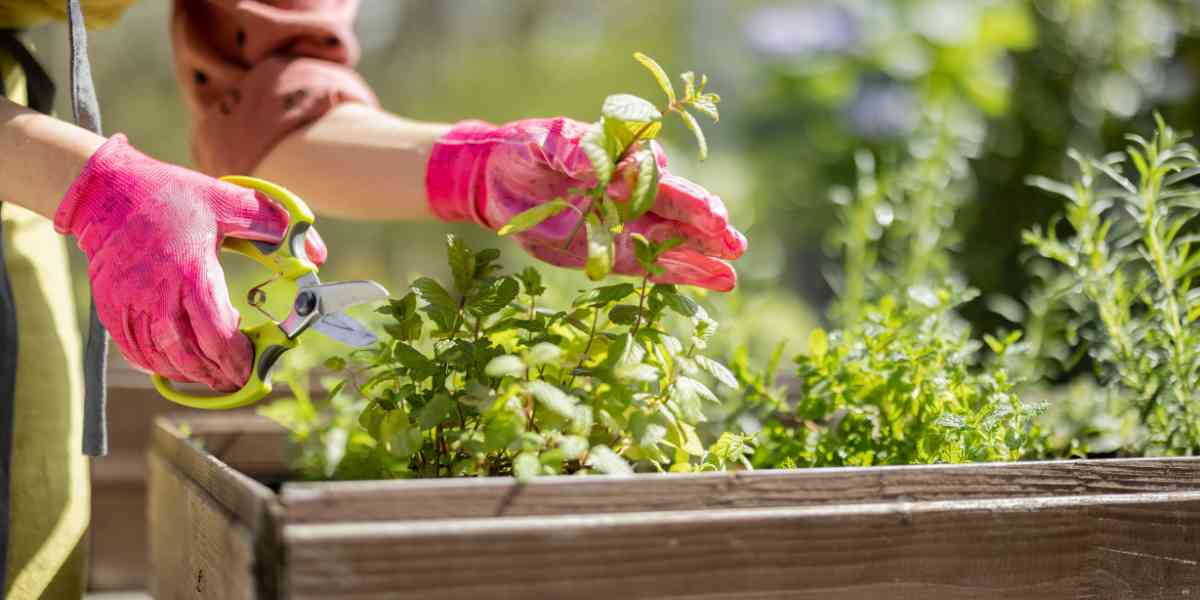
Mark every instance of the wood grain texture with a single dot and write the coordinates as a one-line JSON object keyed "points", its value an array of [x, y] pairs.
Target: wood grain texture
{"points": [[1008, 548], [198, 549], [1071, 529], [481, 498]]}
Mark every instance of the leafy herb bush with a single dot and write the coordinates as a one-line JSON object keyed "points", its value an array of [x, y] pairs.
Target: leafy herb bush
{"points": [[1129, 261], [484, 380], [901, 380]]}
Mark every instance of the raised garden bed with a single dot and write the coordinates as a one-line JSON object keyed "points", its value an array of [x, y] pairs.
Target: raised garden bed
{"points": [[226, 523]]}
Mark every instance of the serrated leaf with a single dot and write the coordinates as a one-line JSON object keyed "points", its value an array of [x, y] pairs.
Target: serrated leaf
{"points": [[719, 371], [435, 412], [533, 217], [600, 251], [419, 367], [494, 298], [600, 296], [629, 109], [603, 459], [531, 280], [645, 190], [678, 303], [659, 74], [462, 263], [595, 144], [622, 134], [624, 314], [526, 466], [505, 365], [441, 308], [553, 398], [691, 123], [407, 330]]}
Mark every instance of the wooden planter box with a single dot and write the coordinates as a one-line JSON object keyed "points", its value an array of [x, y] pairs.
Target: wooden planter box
{"points": [[118, 553], [1068, 529]]}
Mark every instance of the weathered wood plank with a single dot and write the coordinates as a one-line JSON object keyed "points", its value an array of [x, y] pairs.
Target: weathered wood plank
{"points": [[1006, 548], [198, 548], [1144, 551], [479, 498]]}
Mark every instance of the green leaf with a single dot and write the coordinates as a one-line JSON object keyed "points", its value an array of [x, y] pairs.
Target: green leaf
{"points": [[407, 330], [689, 85], [405, 442], [335, 363], [505, 365], [597, 297], [499, 294], [533, 217], [622, 134], [596, 144], [687, 440], [531, 280], [624, 314], [645, 190], [400, 309], [501, 432], [526, 466], [719, 371], [630, 109], [553, 398], [659, 74], [707, 104], [435, 412], [462, 263], [691, 123], [642, 250], [818, 343], [441, 308], [543, 353], [573, 446], [680, 304], [603, 459], [600, 251], [419, 367]]}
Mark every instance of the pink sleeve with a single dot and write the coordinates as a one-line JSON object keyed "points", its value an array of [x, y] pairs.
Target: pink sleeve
{"points": [[253, 71]]}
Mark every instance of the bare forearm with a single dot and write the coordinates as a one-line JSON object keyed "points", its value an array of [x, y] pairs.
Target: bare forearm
{"points": [[40, 157], [357, 162]]}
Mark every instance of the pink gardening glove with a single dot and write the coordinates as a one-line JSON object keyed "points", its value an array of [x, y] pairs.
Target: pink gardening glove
{"points": [[151, 232], [488, 174]]}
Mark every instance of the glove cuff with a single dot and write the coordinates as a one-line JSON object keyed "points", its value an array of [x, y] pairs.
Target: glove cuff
{"points": [[91, 190], [455, 185]]}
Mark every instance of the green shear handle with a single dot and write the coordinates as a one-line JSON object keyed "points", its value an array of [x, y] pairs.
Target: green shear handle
{"points": [[289, 261]]}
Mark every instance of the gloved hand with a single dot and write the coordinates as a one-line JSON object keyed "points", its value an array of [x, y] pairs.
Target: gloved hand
{"points": [[488, 174], [152, 232]]}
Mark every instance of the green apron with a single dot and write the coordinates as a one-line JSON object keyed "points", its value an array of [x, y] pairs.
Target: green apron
{"points": [[49, 488]]}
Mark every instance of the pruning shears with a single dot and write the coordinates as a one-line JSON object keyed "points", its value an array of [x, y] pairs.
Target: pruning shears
{"points": [[317, 305]]}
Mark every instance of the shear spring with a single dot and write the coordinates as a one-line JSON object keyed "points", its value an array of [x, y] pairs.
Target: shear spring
{"points": [[257, 298]]}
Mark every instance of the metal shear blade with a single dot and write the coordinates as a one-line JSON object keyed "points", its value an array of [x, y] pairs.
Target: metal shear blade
{"points": [[321, 307]]}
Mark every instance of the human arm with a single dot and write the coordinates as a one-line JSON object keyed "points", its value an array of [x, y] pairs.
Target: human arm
{"points": [[43, 154]]}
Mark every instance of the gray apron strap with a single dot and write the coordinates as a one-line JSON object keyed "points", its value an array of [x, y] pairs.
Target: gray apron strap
{"points": [[40, 90], [87, 116]]}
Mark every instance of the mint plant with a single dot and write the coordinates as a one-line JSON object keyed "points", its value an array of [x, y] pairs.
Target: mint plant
{"points": [[1130, 258], [902, 379], [481, 379], [627, 124]]}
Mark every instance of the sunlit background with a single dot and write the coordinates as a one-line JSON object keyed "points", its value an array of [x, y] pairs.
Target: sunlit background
{"points": [[804, 84]]}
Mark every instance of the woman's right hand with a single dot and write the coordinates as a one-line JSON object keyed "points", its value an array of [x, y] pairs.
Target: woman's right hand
{"points": [[152, 233]]}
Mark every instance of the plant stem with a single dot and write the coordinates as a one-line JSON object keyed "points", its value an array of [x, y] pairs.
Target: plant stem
{"points": [[587, 348], [598, 192], [637, 323]]}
